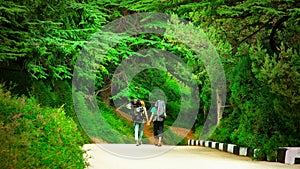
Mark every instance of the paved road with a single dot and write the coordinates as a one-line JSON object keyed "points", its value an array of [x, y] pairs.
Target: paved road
{"points": [[129, 156]]}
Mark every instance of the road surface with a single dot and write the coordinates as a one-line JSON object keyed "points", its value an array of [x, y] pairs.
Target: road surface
{"points": [[130, 156]]}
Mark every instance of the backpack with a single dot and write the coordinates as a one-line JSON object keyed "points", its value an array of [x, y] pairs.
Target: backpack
{"points": [[138, 115], [161, 110], [137, 110]]}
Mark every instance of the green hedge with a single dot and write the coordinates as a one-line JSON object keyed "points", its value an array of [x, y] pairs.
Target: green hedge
{"points": [[35, 137]]}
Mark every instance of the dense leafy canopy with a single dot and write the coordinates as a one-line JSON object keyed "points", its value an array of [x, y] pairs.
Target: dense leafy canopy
{"points": [[258, 43]]}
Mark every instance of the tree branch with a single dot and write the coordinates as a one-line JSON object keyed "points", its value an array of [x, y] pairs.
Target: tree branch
{"points": [[277, 25], [234, 50]]}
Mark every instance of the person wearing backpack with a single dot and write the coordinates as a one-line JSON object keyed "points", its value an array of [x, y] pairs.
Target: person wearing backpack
{"points": [[158, 115], [139, 117]]}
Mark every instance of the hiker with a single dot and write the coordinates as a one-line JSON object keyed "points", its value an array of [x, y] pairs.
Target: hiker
{"points": [[158, 115], [139, 117]]}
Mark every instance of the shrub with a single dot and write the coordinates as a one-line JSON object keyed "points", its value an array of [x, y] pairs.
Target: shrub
{"points": [[35, 137], [42, 92], [101, 122], [63, 93]]}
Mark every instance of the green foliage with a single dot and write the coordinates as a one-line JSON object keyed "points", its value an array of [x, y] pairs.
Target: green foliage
{"points": [[117, 126], [173, 109], [16, 82], [42, 93], [35, 137], [103, 123], [63, 93], [257, 41], [46, 37], [197, 132], [258, 78], [56, 95], [259, 59]]}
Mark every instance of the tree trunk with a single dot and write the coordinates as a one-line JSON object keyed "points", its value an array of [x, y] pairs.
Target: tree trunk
{"points": [[219, 113]]}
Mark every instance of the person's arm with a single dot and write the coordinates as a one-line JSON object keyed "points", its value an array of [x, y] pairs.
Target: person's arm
{"points": [[151, 117], [165, 114], [146, 114]]}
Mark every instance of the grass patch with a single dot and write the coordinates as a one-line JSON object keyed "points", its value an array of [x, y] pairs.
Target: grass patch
{"points": [[197, 132], [103, 122]]}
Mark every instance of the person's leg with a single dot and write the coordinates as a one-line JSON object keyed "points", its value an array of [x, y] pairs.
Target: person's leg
{"points": [[136, 131], [155, 128], [159, 141], [141, 132], [160, 132]]}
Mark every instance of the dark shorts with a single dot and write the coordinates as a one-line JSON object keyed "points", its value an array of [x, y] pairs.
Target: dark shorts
{"points": [[158, 129]]}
